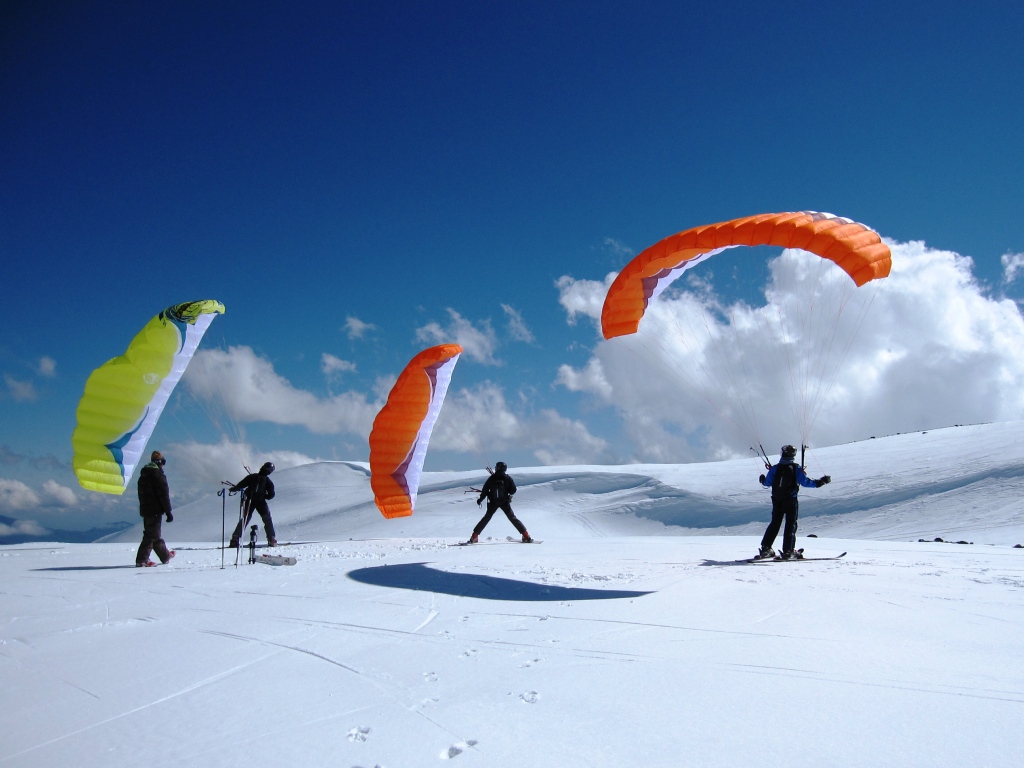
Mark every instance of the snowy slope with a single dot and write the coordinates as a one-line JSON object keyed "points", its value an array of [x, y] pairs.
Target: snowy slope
{"points": [[955, 483], [619, 641]]}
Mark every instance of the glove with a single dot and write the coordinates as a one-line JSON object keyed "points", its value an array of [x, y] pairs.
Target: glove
{"points": [[825, 479], [479, 502], [170, 518], [761, 479]]}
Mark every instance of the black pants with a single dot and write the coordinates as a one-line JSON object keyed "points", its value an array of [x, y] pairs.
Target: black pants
{"points": [[268, 523], [787, 509], [504, 506], [151, 540]]}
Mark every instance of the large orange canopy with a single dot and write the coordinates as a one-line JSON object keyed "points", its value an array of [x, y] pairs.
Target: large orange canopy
{"points": [[401, 431], [855, 248]]}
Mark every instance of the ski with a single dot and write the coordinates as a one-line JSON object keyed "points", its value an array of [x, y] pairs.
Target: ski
{"points": [[796, 559]]}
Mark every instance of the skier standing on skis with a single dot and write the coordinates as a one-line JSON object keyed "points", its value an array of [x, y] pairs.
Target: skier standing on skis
{"points": [[785, 479], [256, 489], [154, 503], [498, 490]]}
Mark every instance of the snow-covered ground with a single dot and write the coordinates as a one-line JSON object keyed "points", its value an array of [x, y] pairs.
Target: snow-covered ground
{"points": [[629, 637]]}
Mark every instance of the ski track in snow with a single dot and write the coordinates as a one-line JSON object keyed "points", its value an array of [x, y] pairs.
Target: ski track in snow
{"points": [[155, 702]]}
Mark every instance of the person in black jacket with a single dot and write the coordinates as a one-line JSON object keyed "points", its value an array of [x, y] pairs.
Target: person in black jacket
{"points": [[154, 503], [498, 490], [256, 489]]}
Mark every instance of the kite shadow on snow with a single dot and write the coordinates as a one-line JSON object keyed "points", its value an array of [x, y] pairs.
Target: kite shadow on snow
{"points": [[417, 576]]}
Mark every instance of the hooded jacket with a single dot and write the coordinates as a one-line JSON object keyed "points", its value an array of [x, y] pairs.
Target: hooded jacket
{"points": [[154, 495]]}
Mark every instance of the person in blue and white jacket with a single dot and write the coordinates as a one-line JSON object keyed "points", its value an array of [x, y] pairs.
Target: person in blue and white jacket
{"points": [[785, 479]]}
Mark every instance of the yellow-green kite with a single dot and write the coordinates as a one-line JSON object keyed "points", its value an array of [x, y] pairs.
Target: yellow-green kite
{"points": [[125, 396]]}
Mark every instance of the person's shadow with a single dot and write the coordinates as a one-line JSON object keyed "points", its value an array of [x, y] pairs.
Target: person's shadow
{"points": [[417, 576], [85, 568]]}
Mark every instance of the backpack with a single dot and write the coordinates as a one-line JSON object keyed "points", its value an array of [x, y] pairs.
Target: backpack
{"points": [[784, 482], [499, 492]]}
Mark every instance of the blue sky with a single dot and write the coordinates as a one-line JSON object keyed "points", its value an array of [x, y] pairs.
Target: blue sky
{"points": [[431, 169]]}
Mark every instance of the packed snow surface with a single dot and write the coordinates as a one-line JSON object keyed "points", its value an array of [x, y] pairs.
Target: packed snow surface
{"points": [[633, 635]]}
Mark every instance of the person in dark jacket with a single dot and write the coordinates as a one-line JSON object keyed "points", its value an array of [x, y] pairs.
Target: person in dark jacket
{"points": [[785, 479], [256, 489], [154, 503], [498, 490]]}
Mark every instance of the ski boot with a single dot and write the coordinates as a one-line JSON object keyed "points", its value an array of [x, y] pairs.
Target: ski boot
{"points": [[765, 553], [474, 539], [272, 543], [526, 538]]}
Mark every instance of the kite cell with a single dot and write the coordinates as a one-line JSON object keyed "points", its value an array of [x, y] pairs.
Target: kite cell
{"points": [[125, 396], [855, 248], [401, 431]]}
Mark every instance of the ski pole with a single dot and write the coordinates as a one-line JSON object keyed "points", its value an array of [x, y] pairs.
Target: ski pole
{"points": [[241, 522], [223, 493]]}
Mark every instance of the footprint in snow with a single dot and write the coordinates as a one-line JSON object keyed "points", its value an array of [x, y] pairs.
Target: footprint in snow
{"points": [[530, 697], [359, 733], [468, 653], [430, 677], [530, 663], [457, 749]]}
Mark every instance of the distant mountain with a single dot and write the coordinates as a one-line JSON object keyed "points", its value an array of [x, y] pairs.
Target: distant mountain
{"points": [[56, 534]]}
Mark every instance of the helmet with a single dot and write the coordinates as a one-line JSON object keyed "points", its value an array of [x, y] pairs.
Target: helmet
{"points": [[788, 452], [267, 468], [501, 466]]}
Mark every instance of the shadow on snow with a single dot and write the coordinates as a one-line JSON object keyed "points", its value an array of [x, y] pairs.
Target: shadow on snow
{"points": [[86, 568], [417, 576]]}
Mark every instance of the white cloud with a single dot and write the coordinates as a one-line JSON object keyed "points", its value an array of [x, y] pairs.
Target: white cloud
{"points": [[194, 465], [14, 494], [516, 325], [932, 349], [479, 421], [57, 494], [47, 367], [21, 391], [356, 328], [617, 248], [590, 379], [1012, 265], [582, 297], [332, 365], [24, 528], [248, 389], [477, 342]]}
